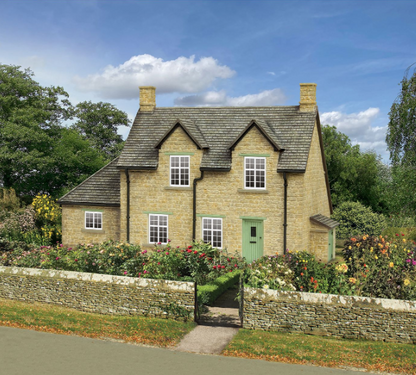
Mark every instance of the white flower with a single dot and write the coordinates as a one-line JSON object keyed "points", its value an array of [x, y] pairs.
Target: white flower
{"points": [[265, 286]]}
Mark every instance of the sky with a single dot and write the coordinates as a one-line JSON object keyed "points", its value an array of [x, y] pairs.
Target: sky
{"points": [[221, 53]]}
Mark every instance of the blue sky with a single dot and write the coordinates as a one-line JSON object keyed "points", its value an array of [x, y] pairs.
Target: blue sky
{"points": [[221, 53]]}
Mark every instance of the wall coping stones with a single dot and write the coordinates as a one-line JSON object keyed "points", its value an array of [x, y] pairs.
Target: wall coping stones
{"points": [[95, 277], [332, 299]]}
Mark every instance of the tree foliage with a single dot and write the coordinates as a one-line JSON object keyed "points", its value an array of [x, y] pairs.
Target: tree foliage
{"points": [[401, 132], [98, 122], [353, 175], [38, 154]]}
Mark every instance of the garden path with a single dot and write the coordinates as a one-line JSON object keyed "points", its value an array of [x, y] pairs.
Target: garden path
{"points": [[216, 327]]}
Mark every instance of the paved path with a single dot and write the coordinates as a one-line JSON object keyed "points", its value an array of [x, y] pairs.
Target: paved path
{"points": [[25, 352]]}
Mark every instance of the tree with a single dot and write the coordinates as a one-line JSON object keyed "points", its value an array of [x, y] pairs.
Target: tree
{"points": [[98, 122], [401, 132], [353, 175], [401, 142], [30, 125]]}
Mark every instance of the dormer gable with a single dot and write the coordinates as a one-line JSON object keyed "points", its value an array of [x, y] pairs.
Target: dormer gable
{"points": [[191, 130], [264, 129]]}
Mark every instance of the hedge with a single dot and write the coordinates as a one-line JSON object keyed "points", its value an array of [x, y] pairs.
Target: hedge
{"points": [[208, 293]]}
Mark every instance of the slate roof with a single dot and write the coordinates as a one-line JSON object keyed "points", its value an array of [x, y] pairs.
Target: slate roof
{"points": [[101, 189], [325, 221], [219, 127]]}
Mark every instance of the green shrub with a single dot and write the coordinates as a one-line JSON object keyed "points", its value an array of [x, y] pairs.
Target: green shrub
{"points": [[356, 220], [409, 233], [207, 294]]}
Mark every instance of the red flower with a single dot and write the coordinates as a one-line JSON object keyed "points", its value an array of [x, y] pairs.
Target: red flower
{"points": [[402, 234], [76, 260], [195, 252], [189, 251], [228, 259], [304, 268], [214, 267], [190, 247], [222, 266], [235, 265], [301, 273], [397, 234]]}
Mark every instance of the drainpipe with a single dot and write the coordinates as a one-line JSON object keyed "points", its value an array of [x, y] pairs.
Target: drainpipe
{"points": [[194, 205], [128, 203], [285, 213]]}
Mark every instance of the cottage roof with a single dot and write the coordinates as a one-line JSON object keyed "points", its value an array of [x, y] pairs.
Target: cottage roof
{"points": [[216, 129], [100, 189], [325, 221]]}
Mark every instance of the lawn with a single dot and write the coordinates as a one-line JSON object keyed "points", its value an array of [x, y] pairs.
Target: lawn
{"points": [[56, 319], [323, 351]]}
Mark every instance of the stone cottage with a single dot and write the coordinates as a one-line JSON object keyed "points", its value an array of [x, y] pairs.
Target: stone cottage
{"points": [[246, 179]]}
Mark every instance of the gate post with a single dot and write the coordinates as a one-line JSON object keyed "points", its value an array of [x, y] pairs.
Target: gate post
{"points": [[241, 298]]}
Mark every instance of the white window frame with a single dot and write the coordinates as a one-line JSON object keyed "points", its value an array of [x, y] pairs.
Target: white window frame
{"points": [[158, 226], [95, 216], [255, 169], [211, 231], [188, 168]]}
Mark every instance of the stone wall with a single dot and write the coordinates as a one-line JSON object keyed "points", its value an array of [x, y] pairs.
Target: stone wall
{"points": [[104, 294], [73, 225], [350, 317]]}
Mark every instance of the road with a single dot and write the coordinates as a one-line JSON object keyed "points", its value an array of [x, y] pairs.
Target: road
{"points": [[29, 352]]}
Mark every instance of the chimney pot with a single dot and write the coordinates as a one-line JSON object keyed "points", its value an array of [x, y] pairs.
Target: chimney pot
{"points": [[147, 98], [307, 97]]}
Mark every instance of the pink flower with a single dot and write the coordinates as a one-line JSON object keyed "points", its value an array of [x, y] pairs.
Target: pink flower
{"points": [[222, 266], [159, 243], [167, 252], [125, 272], [57, 258], [168, 240], [158, 263], [235, 265], [76, 260], [144, 271]]}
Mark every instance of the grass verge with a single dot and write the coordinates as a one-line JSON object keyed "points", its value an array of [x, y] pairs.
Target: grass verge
{"points": [[56, 319], [323, 351]]}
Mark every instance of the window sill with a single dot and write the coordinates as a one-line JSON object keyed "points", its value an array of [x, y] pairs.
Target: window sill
{"points": [[177, 188], [254, 191], [99, 231]]}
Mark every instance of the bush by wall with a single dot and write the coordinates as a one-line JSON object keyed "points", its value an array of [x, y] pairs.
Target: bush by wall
{"points": [[356, 220], [207, 294]]}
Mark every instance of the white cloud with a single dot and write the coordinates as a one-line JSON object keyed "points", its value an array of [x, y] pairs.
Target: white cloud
{"points": [[271, 73], [183, 75], [220, 98], [358, 127]]}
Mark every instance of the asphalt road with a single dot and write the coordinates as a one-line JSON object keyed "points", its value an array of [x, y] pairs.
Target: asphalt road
{"points": [[29, 352]]}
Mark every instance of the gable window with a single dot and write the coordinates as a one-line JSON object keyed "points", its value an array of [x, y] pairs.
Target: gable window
{"points": [[254, 173], [158, 228], [93, 220], [212, 231], [179, 170]]}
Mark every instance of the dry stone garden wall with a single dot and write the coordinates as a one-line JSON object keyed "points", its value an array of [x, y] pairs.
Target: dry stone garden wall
{"points": [[104, 294], [350, 317]]}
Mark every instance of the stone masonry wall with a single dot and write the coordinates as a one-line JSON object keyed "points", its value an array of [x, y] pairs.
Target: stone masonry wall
{"points": [[73, 225], [330, 315], [104, 294]]}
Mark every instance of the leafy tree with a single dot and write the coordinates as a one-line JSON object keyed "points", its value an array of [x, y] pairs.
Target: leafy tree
{"points": [[401, 132], [98, 123], [30, 124], [353, 175], [401, 142]]}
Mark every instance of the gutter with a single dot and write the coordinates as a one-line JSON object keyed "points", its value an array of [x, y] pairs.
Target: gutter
{"points": [[285, 213], [194, 204], [128, 204]]}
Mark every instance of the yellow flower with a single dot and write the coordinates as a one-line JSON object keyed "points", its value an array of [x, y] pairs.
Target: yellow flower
{"points": [[349, 247], [375, 257], [404, 239], [352, 280], [406, 282], [391, 265], [371, 249]]}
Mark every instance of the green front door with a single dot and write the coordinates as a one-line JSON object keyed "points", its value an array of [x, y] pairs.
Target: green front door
{"points": [[330, 244], [252, 239]]}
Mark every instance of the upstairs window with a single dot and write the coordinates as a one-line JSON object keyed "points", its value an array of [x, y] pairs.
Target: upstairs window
{"points": [[254, 173], [179, 170], [158, 229], [212, 231], [93, 220]]}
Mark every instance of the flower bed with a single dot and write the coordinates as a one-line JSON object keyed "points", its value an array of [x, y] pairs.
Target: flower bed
{"points": [[374, 267], [198, 262]]}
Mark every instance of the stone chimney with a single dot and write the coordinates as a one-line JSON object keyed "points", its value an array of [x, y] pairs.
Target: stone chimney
{"points": [[307, 97], [147, 98]]}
